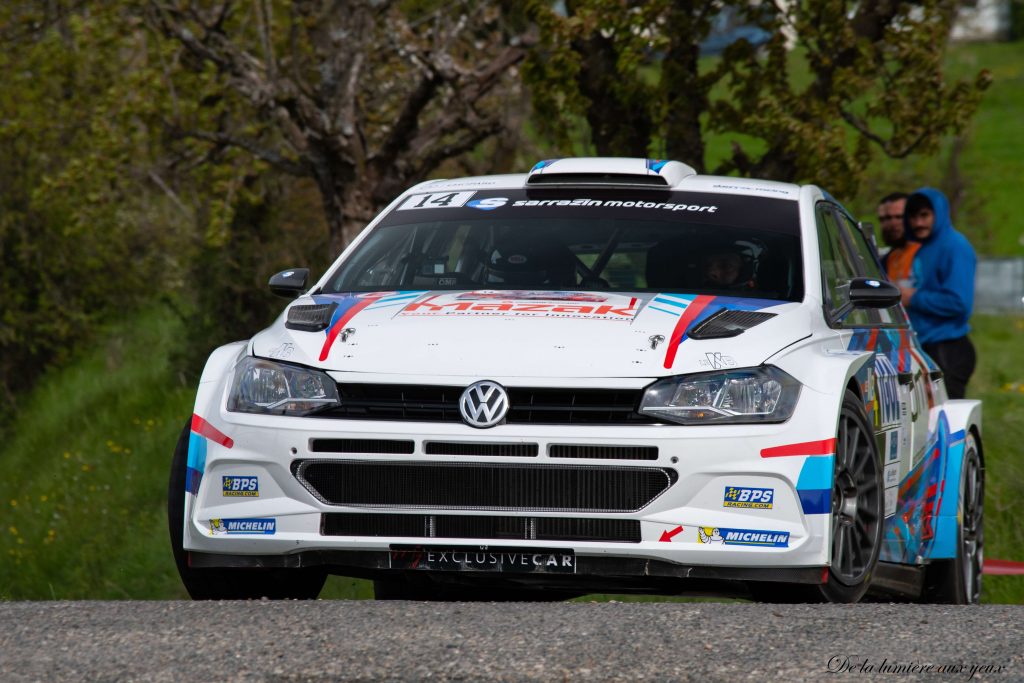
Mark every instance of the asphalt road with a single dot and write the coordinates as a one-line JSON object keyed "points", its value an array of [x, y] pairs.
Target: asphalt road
{"points": [[407, 641]]}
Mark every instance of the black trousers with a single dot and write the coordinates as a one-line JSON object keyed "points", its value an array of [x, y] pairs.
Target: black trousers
{"points": [[956, 359]]}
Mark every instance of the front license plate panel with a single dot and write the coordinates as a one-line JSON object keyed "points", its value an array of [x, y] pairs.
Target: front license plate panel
{"points": [[484, 559]]}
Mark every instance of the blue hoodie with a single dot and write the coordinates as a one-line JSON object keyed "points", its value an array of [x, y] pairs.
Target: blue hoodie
{"points": [[943, 274]]}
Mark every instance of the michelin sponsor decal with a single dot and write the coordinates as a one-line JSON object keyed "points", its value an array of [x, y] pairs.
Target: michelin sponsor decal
{"points": [[748, 497], [240, 487], [767, 539], [258, 526]]}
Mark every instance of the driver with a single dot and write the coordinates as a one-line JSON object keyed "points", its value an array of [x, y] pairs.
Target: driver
{"points": [[525, 257], [728, 266]]}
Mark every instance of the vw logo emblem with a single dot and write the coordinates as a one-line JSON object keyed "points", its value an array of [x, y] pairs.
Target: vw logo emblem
{"points": [[483, 404]]}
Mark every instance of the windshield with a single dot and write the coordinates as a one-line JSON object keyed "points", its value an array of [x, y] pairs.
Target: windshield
{"points": [[585, 244]]}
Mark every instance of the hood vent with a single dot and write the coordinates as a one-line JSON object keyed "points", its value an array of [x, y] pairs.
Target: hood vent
{"points": [[310, 318], [728, 323]]}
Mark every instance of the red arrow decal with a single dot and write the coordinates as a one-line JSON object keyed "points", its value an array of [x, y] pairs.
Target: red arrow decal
{"points": [[666, 536]]}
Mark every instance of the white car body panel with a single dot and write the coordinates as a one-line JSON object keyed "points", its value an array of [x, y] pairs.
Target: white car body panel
{"points": [[422, 337]]}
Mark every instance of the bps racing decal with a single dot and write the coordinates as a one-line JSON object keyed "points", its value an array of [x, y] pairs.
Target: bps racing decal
{"points": [[240, 487], [748, 497], [768, 539], [258, 526]]}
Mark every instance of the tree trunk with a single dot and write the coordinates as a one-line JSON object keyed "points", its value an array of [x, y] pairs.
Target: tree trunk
{"points": [[686, 101]]}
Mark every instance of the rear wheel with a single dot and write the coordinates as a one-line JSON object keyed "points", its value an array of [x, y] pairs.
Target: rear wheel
{"points": [[958, 581], [228, 584]]}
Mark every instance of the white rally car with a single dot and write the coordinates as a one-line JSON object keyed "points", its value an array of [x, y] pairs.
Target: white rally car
{"points": [[609, 375]]}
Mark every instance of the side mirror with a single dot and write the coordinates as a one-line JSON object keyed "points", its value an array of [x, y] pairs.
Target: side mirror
{"points": [[867, 292], [289, 283]]}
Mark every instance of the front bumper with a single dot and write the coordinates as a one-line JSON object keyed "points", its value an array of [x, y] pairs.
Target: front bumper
{"points": [[689, 530]]}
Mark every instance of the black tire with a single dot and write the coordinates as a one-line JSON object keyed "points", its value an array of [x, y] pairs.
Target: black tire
{"points": [[857, 507], [958, 581], [228, 584]]}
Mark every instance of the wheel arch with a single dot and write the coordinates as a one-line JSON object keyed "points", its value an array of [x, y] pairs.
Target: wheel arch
{"points": [[963, 417]]}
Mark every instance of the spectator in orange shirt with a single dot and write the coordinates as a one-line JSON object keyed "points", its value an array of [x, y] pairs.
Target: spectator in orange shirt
{"points": [[901, 252]]}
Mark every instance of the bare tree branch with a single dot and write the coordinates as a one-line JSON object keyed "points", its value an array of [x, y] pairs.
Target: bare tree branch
{"points": [[273, 158]]}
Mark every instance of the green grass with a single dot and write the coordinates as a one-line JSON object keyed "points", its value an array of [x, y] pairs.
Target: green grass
{"points": [[999, 383], [83, 478]]}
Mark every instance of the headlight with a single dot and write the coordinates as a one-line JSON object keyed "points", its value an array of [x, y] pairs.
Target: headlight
{"points": [[262, 386], [764, 394]]}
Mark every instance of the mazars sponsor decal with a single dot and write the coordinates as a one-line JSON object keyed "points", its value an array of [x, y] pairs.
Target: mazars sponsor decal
{"points": [[249, 526], [770, 539], [528, 304]]}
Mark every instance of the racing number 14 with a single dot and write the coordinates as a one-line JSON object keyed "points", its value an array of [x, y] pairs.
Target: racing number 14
{"points": [[436, 200]]}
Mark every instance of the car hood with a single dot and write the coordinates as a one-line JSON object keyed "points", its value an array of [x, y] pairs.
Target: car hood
{"points": [[507, 334]]}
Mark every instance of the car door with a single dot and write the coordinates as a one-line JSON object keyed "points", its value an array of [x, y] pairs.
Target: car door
{"points": [[894, 396]]}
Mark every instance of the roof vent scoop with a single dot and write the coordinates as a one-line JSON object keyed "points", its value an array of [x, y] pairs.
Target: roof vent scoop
{"points": [[728, 323], [608, 172]]}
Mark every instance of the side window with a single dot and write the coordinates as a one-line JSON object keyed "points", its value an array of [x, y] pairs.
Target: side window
{"points": [[865, 257], [839, 265], [868, 266], [836, 261]]}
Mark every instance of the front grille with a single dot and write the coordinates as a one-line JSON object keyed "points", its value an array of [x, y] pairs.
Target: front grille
{"points": [[608, 452], [424, 403], [491, 528], [483, 486], [400, 447], [514, 450]]}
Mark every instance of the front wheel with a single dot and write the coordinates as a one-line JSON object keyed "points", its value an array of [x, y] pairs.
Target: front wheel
{"points": [[856, 516], [856, 506], [958, 581], [228, 584]]}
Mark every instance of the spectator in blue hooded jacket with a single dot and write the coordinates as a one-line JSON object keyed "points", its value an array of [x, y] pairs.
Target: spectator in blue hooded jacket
{"points": [[942, 295]]}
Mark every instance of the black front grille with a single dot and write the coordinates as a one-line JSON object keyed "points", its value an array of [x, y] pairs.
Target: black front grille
{"points": [[483, 486], [419, 403], [515, 450], [492, 528], [608, 452], [400, 447]]}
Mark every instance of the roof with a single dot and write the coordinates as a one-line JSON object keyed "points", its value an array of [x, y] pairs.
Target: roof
{"points": [[620, 172]]}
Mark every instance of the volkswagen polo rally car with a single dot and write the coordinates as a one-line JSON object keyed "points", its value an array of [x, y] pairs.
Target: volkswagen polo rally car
{"points": [[609, 375]]}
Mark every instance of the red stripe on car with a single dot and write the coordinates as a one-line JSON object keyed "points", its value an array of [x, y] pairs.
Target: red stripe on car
{"points": [[688, 316], [204, 428], [342, 321], [823, 447]]}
